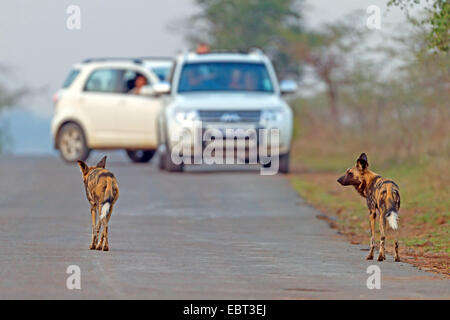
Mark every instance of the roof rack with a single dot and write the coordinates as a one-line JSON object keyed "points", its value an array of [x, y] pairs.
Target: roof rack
{"points": [[134, 60], [223, 51], [249, 51], [156, 58]]}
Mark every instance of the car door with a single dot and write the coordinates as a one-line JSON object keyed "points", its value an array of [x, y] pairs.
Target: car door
{"points": [[99, 102], [137, 114]]}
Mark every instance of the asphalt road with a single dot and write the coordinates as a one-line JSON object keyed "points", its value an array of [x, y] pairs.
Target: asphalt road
{"points": [[231, 234]]}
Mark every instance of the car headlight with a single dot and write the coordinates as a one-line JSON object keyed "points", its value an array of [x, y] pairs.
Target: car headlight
{"points": [[272, 115], [183, 116]]}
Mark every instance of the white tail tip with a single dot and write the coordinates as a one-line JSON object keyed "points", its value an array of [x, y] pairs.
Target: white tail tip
{"points": [[105, 210], [393, 220]]}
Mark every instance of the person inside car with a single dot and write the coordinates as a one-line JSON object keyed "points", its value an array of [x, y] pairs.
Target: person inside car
{"points": [[236, 80], [250, 82], [139, 82]]}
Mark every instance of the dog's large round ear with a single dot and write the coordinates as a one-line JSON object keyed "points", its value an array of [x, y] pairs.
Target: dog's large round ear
{"points": [[83, 167], [362, 162], [102, 163]]}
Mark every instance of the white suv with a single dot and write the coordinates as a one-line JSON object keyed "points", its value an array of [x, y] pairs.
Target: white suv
{"points": [[97, 108], [222, 91]]}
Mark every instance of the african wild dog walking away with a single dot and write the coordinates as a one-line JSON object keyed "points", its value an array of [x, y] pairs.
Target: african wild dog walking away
{"points": [[382, 195], [102, 192]]}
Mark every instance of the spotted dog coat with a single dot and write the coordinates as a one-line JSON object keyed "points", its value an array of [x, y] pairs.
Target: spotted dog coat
{"points": [[382, 197], [102, 193]]}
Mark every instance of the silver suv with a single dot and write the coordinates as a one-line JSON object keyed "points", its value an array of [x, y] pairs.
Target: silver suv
{"points": [[221, 91]]}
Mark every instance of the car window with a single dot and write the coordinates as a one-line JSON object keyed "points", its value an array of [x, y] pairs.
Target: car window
{"points": [[70, 78], [162, 73], [225, 76], [129, 80], [103, 80]]}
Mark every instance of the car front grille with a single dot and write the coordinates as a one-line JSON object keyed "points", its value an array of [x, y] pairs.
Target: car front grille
{"points": [[230, 116]]}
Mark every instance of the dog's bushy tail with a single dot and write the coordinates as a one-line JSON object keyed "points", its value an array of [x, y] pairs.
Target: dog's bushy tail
{"points": [[106, 206], [392, 217]]}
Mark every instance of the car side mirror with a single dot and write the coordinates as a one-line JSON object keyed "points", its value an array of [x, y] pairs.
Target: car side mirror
{"points": [[288, 87], [161, 88], [147, 91], [155, 90]]}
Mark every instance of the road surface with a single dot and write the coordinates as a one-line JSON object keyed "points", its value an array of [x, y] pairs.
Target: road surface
{"points": [[198, 235]]}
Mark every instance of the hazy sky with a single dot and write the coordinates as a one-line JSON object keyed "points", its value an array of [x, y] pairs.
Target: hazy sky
{"points": [[34, 39]]}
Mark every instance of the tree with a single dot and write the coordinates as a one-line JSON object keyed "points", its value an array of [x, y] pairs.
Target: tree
{"points": [[243, 24], [394, 101], [438, 18], [328, 52]]}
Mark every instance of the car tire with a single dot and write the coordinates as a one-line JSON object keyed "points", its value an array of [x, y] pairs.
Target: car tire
{"points": [[166, 163], [283, 165], [72, 144], [140, 156]]}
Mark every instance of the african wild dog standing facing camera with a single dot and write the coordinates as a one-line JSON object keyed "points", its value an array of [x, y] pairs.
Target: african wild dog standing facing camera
{"points": [[102, 192], [382, 195]]}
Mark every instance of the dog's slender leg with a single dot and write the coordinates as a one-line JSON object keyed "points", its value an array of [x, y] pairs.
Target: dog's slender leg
{"points": [[396, 257], [381, 255], [102, 235], [103, 241], [105, 228], [372, 217], [94, 237], [99, 225]]}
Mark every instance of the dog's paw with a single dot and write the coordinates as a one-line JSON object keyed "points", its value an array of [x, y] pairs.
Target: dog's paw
{"points": [[369, 257], [92, 246], [105, 248], [397, 259], [381, 257]]}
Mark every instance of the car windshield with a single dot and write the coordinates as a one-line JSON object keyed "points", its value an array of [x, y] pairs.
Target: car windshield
{"points": [[225, 76]]}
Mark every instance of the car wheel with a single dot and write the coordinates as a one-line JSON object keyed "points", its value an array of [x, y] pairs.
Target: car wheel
{"points": [[166, 163], [140, 156], [283, 165], [72, 143]]}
